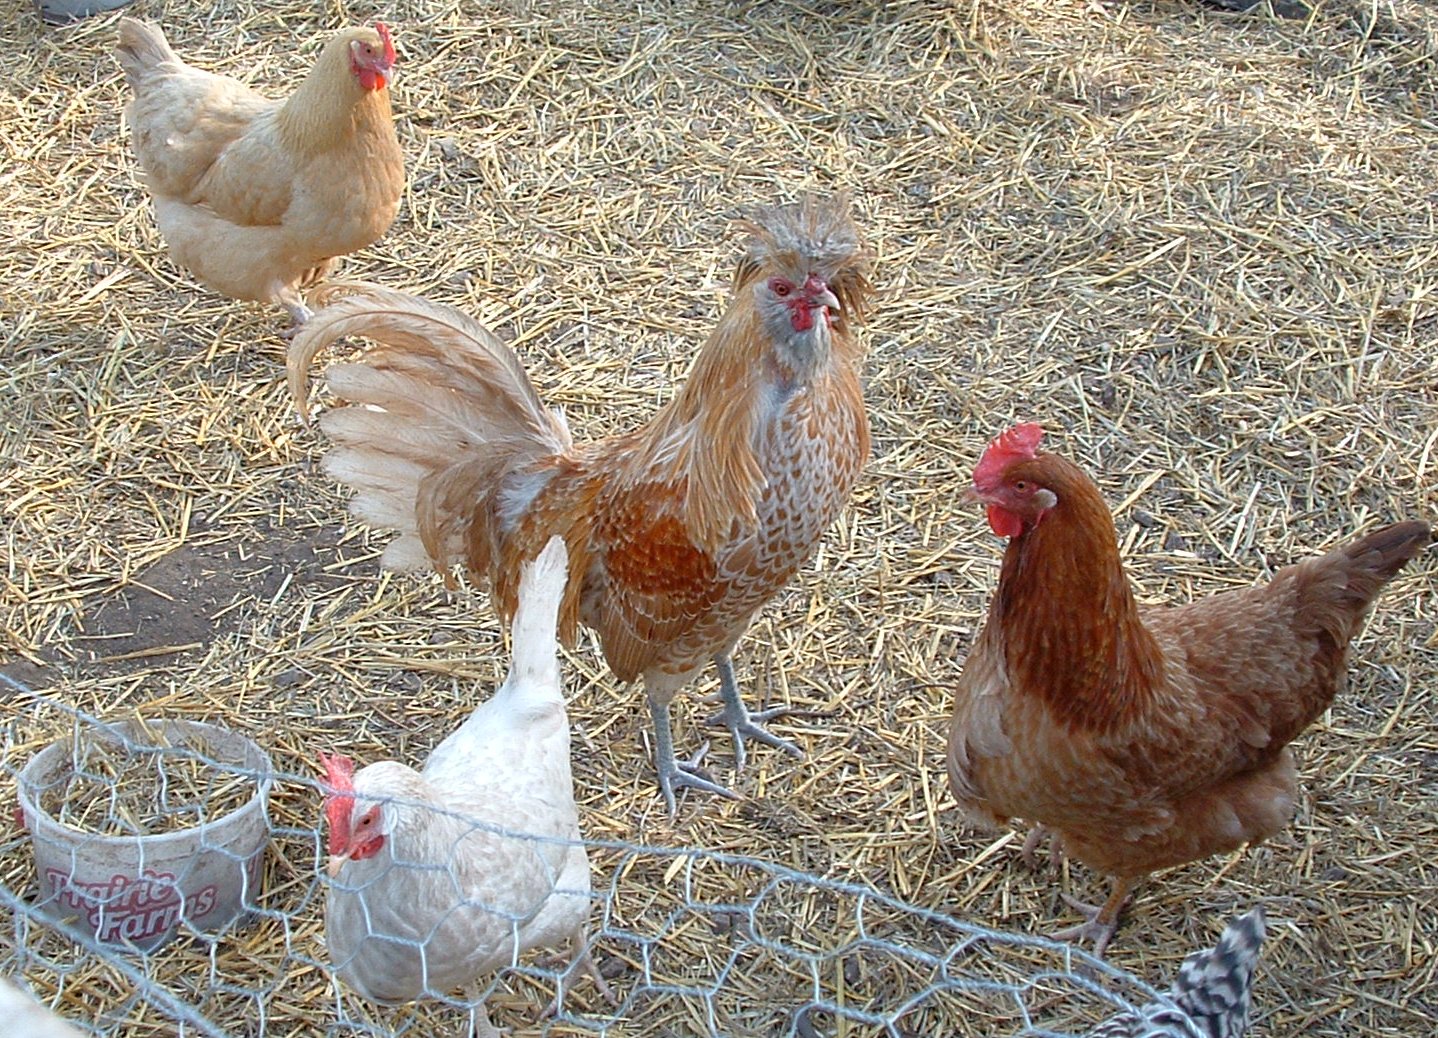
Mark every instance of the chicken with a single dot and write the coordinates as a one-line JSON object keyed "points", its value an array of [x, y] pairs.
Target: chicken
{"points": [[1210, 996], [441, 876], [21, 1016], [679, 531], [258, 197], [1143, 737]]}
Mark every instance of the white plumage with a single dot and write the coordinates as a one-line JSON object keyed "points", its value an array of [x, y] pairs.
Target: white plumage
{"points": [[443, 876]]}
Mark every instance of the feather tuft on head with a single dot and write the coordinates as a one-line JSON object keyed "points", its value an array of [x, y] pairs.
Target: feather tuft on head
{"points": [[339, 800], [1020, 443], [813, 236], [390, 57]]}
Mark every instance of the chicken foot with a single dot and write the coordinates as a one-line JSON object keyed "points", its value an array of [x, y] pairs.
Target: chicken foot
{"points": [[579, 960], [1100, 922], [740, 721], [675, 774], [1028, 853], [299, 313]]}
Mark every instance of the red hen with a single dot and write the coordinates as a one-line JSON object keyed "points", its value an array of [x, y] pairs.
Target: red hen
{"points": [[1145, 737]]}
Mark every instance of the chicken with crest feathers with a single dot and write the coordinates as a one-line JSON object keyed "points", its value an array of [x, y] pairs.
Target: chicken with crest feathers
{"points": [[441, 876], [256, 197], [679, 531], [1145, 737]]}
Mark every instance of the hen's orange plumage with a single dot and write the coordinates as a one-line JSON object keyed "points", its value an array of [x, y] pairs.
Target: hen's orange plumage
{"points": [[1145, 737], [679, 531], [257, 197]]}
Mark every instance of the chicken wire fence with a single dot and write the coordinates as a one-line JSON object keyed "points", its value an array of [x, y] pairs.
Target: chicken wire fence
{"points": [[691, 941]]}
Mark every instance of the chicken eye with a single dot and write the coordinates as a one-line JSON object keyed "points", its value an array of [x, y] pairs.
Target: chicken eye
{"points": [[1021, 486], [780, 287]]}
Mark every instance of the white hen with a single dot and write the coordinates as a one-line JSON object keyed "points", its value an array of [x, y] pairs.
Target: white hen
{"points": [[431, 887]]}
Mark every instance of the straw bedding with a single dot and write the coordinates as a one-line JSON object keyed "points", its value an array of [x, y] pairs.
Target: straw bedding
{"points": [[1199, 247]]}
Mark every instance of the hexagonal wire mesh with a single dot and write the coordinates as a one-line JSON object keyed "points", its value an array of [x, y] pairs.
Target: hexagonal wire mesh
{"points": [[692, 941]]}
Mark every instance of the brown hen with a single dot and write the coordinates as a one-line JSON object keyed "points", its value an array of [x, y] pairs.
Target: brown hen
{"points": [[679, 531], [1144, 737]]}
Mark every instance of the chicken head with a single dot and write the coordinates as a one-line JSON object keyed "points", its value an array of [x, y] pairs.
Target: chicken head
{"points": [[372, 57]]}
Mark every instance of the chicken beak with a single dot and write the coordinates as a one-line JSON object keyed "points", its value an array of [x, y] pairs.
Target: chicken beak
{"points": [[826, 298], [971, 496], [335, 864]]}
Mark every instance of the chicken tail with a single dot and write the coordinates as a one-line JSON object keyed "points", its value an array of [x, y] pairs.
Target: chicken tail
{"points": [[536, 618], [437, 411], [1348, 579], [141, 49], [1214, 986]]}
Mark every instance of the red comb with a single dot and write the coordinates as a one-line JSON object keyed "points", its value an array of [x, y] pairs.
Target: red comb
{"points": [[339, 801], [390, 57], [1021, 443]]}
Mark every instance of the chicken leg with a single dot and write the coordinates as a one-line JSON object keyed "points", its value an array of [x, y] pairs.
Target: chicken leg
{"points": [[736, 716], [1029, 852], [1100, 922], [675, 774]]}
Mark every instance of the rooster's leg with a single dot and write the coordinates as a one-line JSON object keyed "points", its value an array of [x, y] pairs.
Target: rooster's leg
{"points": [[1101, 921], [740, 722], [672, 773]]}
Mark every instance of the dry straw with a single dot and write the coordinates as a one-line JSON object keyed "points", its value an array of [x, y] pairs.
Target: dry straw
{"points": [[1199, 247]]}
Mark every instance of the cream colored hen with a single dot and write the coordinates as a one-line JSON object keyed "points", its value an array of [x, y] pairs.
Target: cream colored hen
{"points": [[257, 197], [443, 876]]}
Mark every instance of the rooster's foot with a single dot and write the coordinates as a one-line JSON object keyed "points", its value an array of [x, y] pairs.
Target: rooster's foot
{"points": [[686, 774], [743, 723], [736, 717]]}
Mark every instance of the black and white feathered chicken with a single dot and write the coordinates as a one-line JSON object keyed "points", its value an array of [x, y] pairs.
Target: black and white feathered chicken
{"points": [[1209, 998]]}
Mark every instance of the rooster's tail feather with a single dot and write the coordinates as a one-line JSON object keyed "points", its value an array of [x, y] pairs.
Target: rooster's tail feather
{"points": [[438, 405], [142, 47]]}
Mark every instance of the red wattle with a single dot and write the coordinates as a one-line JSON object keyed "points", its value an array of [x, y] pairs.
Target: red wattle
{"points": [[1004, 523], [368, 849]]}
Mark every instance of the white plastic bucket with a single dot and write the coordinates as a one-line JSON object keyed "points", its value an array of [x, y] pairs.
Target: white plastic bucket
{"points": [[135, 891]]}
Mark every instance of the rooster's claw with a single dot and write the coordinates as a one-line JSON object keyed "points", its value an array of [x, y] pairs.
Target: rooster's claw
{"points": [[686, 774], [749, 724]]}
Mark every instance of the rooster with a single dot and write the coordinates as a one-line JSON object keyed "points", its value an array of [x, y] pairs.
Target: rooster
{"points": [[1143, 737], [1211, 995], [679, 531], [257, 197], [441, 876]]}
